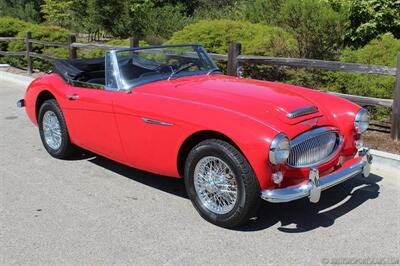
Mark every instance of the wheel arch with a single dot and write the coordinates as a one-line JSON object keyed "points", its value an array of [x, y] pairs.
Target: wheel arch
{"points": [[196, 138], [43, 96]]}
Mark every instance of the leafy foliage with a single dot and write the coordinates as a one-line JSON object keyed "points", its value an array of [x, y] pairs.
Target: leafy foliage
{"points": [[266, 11], [256, 39], [163, 21], [318, 28], [371, 18], [10, 27], [44, 33], [28, 10], [101, 52], [381, 51]]}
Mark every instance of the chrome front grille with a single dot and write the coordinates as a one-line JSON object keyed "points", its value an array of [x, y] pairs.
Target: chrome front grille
{"points": [[314, 147]]}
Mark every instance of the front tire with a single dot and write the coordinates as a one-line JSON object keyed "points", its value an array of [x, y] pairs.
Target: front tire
{"points": [[221, 184], [53, 130]]}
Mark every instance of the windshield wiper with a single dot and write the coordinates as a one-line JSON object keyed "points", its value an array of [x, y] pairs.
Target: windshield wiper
{"points": [[180, 70]]}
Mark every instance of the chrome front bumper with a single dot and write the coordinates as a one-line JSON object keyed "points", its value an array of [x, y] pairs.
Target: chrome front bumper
{"points": [[313, 187]]}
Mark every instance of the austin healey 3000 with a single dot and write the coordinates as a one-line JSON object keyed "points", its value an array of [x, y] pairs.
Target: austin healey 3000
{"points": [[170, 111]]}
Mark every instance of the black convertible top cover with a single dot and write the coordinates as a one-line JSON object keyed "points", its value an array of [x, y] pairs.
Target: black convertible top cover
{"points": [[77, 69]]}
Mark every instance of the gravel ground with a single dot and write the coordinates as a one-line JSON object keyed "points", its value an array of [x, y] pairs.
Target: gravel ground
{"points": [[91, 210], [381, 141]]}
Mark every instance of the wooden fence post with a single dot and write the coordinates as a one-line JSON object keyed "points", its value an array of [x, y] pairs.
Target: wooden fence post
{"points": [[72, 54], [29, 68], [233, 52], [134, 42], [395, 130]]}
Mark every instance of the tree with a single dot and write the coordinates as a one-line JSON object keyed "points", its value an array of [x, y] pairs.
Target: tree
{"points": [[257, 11], [28, 10], [69, 14], [371, 18], [58, 12], [318, 28]]}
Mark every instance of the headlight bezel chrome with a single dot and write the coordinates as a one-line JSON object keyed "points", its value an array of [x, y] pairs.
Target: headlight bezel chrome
{"points": [[277, 148], [361, 121]]}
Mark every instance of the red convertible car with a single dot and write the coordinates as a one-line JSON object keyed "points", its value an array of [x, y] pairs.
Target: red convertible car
{"points": [[170, 111]]}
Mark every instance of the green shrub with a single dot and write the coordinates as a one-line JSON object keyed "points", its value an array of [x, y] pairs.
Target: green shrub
{"points": [[43, 33], [256, 39], [382, 51], [163, 21], [371, 18], [10, 27], [318, 28]]}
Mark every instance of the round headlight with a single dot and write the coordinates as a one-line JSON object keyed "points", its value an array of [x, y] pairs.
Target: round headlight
{"points": [[279, 149], [361, 122]]}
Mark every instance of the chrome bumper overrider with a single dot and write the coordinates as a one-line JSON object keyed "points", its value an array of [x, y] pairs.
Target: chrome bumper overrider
{"points": [[315, 184]]}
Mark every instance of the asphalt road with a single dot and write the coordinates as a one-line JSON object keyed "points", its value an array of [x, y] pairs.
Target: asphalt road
{"points": [[91, 210]]}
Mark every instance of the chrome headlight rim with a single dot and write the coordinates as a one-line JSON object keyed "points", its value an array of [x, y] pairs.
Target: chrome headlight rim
{"points": [[275, 148], [361, 121]]}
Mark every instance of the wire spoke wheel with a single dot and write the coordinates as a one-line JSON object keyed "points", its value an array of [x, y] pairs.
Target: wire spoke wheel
{"points": [[215, 185], [52, 130]]}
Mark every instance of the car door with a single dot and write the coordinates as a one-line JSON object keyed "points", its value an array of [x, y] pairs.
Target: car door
{"points": [[91, 122], [149, 136]]}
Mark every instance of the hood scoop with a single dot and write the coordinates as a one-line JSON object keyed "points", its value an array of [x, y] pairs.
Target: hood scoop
{"points": [[302, 111]]}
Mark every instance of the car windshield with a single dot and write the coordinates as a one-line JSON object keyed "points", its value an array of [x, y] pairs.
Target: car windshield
{"points": [[142, 65]]}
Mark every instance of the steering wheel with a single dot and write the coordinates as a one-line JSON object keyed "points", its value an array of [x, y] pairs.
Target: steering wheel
{"points": [[156, 70]]}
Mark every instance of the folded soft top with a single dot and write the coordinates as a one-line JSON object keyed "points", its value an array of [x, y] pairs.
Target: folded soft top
{"points": [[78, 69]]}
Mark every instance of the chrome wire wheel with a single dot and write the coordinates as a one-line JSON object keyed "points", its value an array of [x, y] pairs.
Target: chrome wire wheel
{"points": [[52, 130], [215, 185]]}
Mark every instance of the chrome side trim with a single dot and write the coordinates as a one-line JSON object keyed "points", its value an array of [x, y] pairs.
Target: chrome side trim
{"points": [[156, 122], [315, 183], [302, 111]]}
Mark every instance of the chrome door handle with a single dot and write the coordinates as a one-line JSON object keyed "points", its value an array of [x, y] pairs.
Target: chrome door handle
{"points": [[72, 97]]}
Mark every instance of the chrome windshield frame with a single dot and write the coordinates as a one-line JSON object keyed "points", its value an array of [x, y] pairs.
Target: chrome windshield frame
{"points": [[111, 60]]}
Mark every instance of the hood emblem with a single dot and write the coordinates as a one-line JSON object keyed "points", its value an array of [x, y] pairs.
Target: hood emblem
{"points": [[302, 111]]}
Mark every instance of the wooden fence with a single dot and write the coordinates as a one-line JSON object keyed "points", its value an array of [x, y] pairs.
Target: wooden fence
{"points": [[234, 58]]}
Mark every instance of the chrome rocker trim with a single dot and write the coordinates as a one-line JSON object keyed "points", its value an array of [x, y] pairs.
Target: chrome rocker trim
{"points": [[315, 184]]}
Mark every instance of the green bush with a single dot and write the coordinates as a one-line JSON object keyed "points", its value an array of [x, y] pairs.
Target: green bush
{"points": [[43, 33], [256, 39], [318, 28], [371, 18], [382, 51], [10, 27], [163, 21]]}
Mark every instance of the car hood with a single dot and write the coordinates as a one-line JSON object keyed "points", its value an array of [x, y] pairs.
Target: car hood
{"points": [[262, 100]]}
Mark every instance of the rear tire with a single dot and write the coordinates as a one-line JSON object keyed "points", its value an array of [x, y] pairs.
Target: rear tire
{"points": [[221, 184], [53, 130]]}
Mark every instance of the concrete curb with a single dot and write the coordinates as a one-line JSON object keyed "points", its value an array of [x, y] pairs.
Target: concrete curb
{"points": [[11, 77], [381, 158], [385, 161]]}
